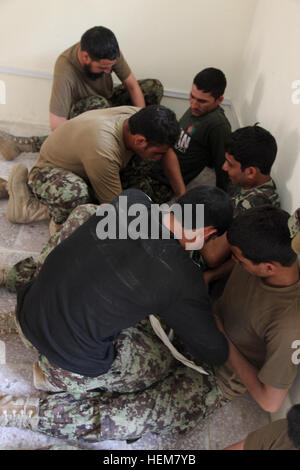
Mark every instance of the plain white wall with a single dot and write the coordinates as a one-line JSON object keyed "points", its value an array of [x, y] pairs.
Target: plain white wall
{"points": [[263, 89], [168, 39]]}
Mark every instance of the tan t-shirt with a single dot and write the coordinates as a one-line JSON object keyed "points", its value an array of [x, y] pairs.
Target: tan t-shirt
{"points": [[273, 436], [71, 84], [91, 146], [262, 322]]}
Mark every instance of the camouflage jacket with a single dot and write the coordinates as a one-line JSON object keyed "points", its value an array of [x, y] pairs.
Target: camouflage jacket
{"points": [[244, 199]]}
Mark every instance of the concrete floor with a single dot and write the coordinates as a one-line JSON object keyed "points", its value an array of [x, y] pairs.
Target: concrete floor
{"points": [[230, 424]]}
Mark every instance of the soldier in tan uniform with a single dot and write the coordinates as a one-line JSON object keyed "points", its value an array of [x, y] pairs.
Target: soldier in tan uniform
{"points": [[82, 81]]}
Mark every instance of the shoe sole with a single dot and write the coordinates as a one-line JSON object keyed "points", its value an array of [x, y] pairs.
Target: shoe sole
{"points": [[7, 149]]}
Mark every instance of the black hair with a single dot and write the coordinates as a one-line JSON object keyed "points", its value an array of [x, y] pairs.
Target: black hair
{"points": [[156, 123], [293, 419], [262, 235], [100, 43], [253, 146], [211, 80], [218, 211]]}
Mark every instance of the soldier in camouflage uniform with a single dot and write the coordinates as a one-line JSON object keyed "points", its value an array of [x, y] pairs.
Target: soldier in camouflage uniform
{"points": [[250, 154]]}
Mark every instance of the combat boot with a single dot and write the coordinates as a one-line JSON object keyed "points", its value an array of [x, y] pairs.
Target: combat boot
{"points": [[8, 323], [11, 146], [20, 412], [4, 269], [53, 227], [23, 207], [3, 189], [41, 382]]}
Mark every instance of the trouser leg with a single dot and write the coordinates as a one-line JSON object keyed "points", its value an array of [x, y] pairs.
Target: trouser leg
{"points": [[137, 174], [88, 104], [152, 90], [172, 406], [60, 190], [141, 360], [27, 269]]}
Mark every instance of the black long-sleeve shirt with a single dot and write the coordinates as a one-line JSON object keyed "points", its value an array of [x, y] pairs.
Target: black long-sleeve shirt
{"points": [[88, 290]]}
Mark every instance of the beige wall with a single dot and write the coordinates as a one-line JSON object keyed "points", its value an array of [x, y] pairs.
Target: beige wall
{"points": [[168, 39], [269, 66]]}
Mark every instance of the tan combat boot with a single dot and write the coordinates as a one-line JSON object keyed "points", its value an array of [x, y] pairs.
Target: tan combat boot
{"points": [[11, 146], [8, 323], [23, 207], [20, 412], [53, 227], [41, 382], [3, 189]]}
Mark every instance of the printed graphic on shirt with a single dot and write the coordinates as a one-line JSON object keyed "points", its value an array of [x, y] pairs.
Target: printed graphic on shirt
{"points": [[184, 139]]}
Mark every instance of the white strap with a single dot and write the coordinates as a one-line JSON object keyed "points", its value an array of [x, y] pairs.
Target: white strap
{"points": [[155, 323]]}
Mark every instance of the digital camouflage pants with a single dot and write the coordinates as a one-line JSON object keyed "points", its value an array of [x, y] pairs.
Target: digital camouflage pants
{"points": [[152, 90], [172, 406]]}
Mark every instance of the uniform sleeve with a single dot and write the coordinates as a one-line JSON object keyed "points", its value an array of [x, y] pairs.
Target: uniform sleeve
{"points": [[61, 95], [217, 139], [191, 318], [121, 68], [273, 436], [278, 370]]}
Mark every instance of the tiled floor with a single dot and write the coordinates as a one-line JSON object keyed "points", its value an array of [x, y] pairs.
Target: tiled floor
{"points": [[228, 425]]}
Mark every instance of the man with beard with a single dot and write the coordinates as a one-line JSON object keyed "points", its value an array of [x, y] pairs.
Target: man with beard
{"points": [[82, 81]]}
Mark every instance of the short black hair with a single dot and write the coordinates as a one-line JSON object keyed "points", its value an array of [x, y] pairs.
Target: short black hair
{"points": [[211, 80], [218, 210], [100, 43], [156, 123], [293, 419], [262, 235], [253, 146]]}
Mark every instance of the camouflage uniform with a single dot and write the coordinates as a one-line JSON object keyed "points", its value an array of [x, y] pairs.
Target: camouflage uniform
{"points": [[172, 406], [244, 199], [27, 269], [294, 228], [294, 223], [60, 190], [137, 174], [152, 90]]}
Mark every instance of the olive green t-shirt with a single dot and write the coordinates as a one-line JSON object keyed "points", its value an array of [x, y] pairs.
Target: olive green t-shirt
{"points": [[71, 84], [273, 436], [91, 146], [263, 322]]}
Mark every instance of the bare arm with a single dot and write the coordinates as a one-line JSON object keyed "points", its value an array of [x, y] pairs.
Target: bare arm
{"points": [[172, 171], [216, 251], [269, 398], [56, 121], [217, 273], [135, 92]]}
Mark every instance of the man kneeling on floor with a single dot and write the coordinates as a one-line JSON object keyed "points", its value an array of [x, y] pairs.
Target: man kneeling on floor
{"points": [[259, 311], [86, 312]]}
